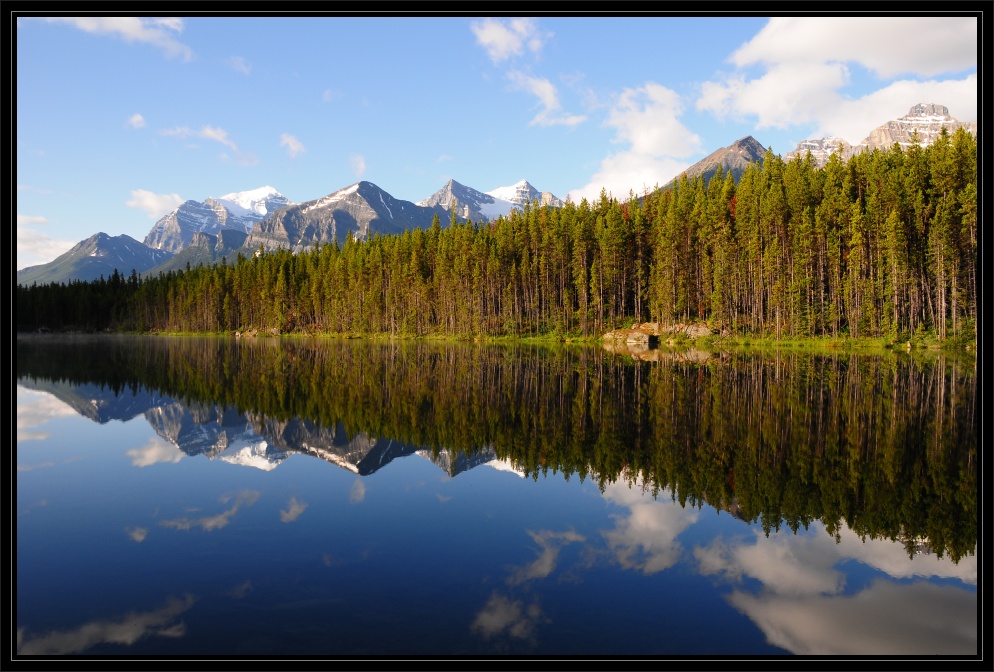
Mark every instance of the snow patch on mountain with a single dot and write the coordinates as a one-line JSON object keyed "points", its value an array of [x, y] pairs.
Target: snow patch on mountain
{"points": [[513, 193], [335, 197], [258, 201]]}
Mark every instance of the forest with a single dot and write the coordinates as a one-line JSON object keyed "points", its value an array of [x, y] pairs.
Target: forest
{"points": [[886, 445], [883, 244]]}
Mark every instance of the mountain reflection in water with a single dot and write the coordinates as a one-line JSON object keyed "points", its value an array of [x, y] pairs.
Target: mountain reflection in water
{"points": [[865, 458]]}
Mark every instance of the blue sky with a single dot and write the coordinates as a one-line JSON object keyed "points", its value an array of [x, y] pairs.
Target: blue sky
{"points": [[119, 120]]}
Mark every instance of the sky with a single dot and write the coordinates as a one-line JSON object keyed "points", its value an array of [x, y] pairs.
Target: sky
{"points": [[121, 119]]}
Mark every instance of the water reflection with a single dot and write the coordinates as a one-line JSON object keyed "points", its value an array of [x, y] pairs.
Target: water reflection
{"points": [[885, 443], [774, 504], [217, 521], [125, 630], [803, 604]]}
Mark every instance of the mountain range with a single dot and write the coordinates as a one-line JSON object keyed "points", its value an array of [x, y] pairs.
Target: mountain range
{"points": [[924, 120], [206, 232], [239, 211], [244, 438], [219, 228]]}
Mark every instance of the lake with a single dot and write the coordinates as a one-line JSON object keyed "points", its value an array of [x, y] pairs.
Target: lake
{"points": [[193, 497]]}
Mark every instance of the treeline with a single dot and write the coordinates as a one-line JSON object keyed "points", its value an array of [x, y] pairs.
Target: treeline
{"points": [[887, 446], [884, 244]]}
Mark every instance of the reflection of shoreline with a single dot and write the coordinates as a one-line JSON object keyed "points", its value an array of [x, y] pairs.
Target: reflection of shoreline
{"points": [[654, 354], [781, 437], [123, 631]]}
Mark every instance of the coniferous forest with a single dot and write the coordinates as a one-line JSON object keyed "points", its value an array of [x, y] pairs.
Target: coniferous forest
{"points": [[883, 244]]}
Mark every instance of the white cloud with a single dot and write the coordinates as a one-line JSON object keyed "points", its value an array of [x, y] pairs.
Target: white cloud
{"points": [[154, 452], [155, 205], [27, 220], [788, 94], [329, 95], [239, 64], [218, 135], [293, 146], [157, 32], [802, 604], [178, 132], [551, 113], [137, 534], [124, 631], [853, 119], [502, 40], [216, 522], [808, 64], [358, 164], [35, 190], [293, 510], [645, 538], [885, 619], [647, 120], [136, 121], [37, 408], [503, 615], [888, 46], [35, 248], [357, 493], [550, 542], [206, 132]]}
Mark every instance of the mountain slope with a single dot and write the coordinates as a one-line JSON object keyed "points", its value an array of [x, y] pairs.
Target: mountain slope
{"points": [[205, 249], [468, 202], [361, 209], [239, 211], [734, 159], [522, 194], [479, 206], [98, 255]]}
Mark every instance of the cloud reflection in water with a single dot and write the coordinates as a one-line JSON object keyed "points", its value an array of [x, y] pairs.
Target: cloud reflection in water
{"points": [[125, 631]]}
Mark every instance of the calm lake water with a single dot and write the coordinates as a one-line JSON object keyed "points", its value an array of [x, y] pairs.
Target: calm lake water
{"points": [[282, 497]]}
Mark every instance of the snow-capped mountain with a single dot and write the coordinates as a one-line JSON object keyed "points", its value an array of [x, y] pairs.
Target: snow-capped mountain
{"points": [[476, 205], [245, 208], [820, 149], [361, 209], [925, 120], [522, 193], [468, 202], [239, 211]]}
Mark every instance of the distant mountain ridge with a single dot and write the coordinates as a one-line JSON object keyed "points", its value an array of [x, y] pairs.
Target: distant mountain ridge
{"points": [[924, 120], [500, 202], [361, 209], [238, 211], [522, 194], [99, 255], [211, 230], [244, 438]]}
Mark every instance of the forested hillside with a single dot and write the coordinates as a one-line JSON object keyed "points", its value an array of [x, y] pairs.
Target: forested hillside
{"points": [[881, 244]]}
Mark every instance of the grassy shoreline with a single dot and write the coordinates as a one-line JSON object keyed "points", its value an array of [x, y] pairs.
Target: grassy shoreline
{"points": [[830, 343]]}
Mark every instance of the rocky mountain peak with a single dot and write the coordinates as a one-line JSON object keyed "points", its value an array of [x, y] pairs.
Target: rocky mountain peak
{"points": [[922, 123], [733, 159], [928, 110]]}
